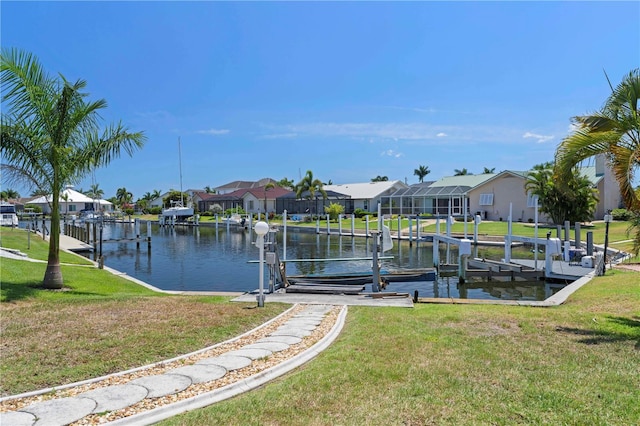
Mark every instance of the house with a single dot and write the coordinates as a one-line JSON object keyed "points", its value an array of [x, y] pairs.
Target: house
{"points": [[243, 184], [73, 202], [492, 195], [443, 197], [252, 200], [305, 204], [366, 195]]}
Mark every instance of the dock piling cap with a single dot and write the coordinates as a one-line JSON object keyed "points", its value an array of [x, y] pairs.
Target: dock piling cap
{"points": [[465, 247]]}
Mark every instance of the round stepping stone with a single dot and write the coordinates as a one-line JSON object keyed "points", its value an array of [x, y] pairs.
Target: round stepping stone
{"points": [[291, 332], [251, 353], [289, 340], [200, 373], [115, 397], [17, 418], [301, 326], [61, 411], [162, 384], [270, 346], [230, 362]]}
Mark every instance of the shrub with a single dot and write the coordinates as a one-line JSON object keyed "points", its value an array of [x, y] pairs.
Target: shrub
{"points": [[621, 214], [155, 210]]}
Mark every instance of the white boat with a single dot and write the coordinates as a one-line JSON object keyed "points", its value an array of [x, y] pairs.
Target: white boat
{"points": [[235, 219], [177, 209], [9, 216]]}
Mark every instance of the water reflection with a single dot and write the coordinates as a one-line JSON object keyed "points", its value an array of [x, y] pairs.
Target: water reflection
{"points": [[210, 259]]}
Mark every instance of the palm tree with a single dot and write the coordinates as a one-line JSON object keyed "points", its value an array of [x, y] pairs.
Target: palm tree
{"points": [[488, 170], [50, 137], [463, 172], [380, 179], [310, 186], [613, 131], [421, 172], [123, 196], [9, 194], [286, 183], [209, 190], [95, 192]]}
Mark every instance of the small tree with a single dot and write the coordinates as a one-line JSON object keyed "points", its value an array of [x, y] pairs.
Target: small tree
{"points": [[421, 172], [334, 210]]}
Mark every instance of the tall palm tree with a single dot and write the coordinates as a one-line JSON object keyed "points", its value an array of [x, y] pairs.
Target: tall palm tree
{"points": [[50, 137], [9, 194], [95, 192], [461, 172], [421, 172], [489, 170], [613, 131], [123, 196], [310, 186]]}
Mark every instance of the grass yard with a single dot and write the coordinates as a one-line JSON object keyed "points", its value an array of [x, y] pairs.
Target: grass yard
{"points": [[34, 246], [100, 324], [576, 364]]}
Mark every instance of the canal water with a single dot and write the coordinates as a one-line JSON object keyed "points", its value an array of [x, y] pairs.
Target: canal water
{"points": [[209, 259]]}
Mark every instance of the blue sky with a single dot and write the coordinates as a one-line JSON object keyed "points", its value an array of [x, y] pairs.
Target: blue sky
{"points": [[347, 90]]}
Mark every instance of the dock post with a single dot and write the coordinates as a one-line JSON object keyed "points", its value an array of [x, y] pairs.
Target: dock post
{"points": [[340, 224], [590, 243], [399, 227], [366, 232], [353, 224], [559, 231], [317, 224], [95, 242], [87, 234], [476, 223], [418, 236], [136, 227], [284, 235], [216, 221], [577, 235], [374, 265], [149, 235], [328, 230], [436, 245], [567, 230], [410, 232]]}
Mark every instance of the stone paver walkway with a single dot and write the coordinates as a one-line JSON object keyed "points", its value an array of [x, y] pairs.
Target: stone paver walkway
{"points": [[133, 398]]}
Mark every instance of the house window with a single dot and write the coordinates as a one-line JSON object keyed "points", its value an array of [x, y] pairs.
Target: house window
{"points": [[72, 207], [486, 200], [531, 200], [251, 205]]}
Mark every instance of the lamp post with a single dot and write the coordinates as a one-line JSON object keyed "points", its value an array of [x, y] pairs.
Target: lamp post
{"points": [[607, 220], [261, 229]]}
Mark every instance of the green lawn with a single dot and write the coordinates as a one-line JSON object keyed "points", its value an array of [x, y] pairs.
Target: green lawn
{"points": [[576, 364], [34, 246]]}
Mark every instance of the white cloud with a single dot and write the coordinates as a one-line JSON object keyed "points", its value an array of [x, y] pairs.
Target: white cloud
{"points": [[391, 153], [213, 132], [441, 135], [540, 138]]}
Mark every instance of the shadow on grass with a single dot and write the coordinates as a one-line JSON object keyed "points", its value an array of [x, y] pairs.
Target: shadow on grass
{"points": [[595, 337], [12, 292]]}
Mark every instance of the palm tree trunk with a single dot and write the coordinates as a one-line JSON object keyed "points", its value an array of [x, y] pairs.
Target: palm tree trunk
{"points": [[53, 274]]}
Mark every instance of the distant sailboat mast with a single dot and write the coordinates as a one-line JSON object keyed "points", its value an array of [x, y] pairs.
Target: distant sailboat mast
{"points": [[180, 163]]}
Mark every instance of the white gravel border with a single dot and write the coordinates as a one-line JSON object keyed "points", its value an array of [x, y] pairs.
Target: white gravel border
{"points": [[250, 383]]}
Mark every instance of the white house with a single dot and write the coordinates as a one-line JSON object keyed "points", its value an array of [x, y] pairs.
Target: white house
{"points": [[73, 202], [367, 195]]}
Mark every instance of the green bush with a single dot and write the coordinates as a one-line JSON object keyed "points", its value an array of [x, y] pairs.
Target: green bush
{"points": [[621, 214], [360, 213], [155, 210]]}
